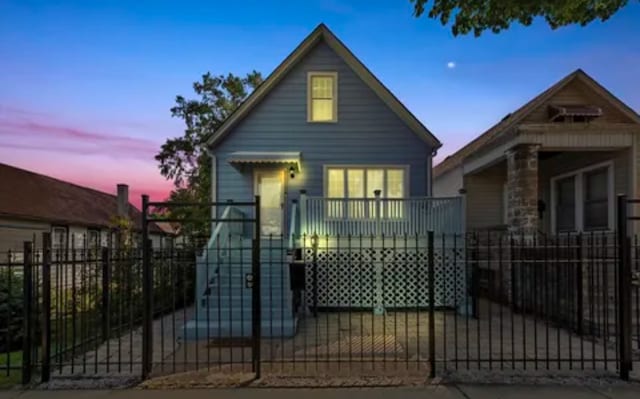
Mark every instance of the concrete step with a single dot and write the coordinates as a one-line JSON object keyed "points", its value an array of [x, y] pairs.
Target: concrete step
{"points": [[244, 313], [265, 289], [202, 329], [245, 299]]}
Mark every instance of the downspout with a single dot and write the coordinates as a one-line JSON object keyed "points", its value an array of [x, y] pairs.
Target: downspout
{"points": [[429, 193], [214, 186]]}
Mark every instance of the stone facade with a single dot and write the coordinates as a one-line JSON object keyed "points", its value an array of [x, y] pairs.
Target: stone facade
{"points": [[522, 188]]}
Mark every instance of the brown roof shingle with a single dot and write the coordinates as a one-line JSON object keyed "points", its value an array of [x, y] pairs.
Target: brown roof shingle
{"points": [[32, 196]]}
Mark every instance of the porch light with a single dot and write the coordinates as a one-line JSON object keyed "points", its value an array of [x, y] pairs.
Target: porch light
{"points": [[292, 171]]}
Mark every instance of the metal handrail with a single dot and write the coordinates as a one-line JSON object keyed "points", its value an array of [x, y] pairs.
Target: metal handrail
{"points": [[292, 225]]}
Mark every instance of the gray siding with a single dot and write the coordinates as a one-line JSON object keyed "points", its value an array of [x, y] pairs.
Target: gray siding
{"points": [[13, 234], [484, 198], [367, 132], [449, 183]]}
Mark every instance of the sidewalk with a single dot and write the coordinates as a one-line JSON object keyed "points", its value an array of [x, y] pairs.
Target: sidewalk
{"points": [[459, 391]]}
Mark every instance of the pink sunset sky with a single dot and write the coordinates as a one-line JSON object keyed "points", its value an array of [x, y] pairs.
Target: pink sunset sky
{"points": [[97, 157], [86, 87]]}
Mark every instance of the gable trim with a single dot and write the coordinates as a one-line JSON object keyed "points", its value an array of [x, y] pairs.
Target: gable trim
{"points": [[521, 113], [323, 33]]}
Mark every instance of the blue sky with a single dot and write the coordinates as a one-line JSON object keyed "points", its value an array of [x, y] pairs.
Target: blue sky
{"points": [[86, 86]]}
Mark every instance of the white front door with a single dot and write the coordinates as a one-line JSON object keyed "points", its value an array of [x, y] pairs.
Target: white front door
{"points": [[269, 185]]}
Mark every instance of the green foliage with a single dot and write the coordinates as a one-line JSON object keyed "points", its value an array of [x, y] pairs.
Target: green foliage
{"points": [[496, 15], [183, 159], [11, 305]]}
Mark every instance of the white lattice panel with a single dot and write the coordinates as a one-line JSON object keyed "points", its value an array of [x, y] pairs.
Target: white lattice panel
{"points": [[394, 276]]}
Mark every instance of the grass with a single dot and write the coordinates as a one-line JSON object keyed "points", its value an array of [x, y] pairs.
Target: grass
{"points": [[12, 377]]}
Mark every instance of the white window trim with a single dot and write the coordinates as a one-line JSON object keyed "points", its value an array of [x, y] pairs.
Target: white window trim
{"points": [[578, 175], [385, 168], [334, 75], [325, 174]]}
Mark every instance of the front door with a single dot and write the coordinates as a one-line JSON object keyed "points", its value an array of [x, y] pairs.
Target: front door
{"points": [[270, 188]]}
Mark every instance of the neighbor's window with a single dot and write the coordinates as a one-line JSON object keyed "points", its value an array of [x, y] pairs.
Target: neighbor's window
{"points": [[583, 200], [59, 238], [358, 184], [93, 238], [596, 199], [566, 204], [322, 97]]}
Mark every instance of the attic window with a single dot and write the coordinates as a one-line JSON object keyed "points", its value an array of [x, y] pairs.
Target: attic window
{"points": [[573, 113], [322, 97]]}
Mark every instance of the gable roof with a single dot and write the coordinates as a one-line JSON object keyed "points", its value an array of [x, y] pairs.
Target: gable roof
{"points": [[521, 113], [322, 33], [26, 195]]}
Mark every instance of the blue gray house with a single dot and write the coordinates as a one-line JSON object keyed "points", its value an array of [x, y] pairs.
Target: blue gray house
{"points": [[331, 152]]}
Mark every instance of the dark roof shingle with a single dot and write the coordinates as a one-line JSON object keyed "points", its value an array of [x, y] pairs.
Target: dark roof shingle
{"points": [[32, 196]]}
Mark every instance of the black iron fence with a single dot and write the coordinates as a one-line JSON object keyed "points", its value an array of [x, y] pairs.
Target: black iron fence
{"points": [[419, 305], [78, 311]]}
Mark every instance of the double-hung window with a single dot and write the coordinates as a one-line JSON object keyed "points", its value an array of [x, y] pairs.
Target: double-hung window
{"points": [[322, 97], [351, 191], [583, 200]]}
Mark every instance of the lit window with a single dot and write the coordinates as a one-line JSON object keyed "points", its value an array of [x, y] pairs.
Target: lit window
{"points": [[358, 186], [322, 97]]}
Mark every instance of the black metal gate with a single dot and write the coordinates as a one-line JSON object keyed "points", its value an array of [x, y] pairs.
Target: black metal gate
{"points": [[226, 292]]}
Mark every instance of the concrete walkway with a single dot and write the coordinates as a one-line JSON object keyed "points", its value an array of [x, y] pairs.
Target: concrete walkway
{"points": [[437, 391]]}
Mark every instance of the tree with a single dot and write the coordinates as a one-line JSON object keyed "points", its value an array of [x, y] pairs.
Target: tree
{"points": [[497, 15], [183, 159]]}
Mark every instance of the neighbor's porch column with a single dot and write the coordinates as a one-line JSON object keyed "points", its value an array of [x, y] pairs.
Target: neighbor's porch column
{"points": [[522, 188]]}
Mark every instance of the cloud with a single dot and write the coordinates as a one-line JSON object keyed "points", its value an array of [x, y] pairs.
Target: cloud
{"points": [[21, 133], [451, 64]]}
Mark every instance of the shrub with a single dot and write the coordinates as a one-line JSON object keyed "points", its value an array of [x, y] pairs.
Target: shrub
{"points": [[11, 305]]}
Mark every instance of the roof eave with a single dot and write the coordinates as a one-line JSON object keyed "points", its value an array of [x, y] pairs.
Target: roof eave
{"points": [[322, 32]]}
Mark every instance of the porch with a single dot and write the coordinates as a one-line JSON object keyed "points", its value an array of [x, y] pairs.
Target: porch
{"points": [[376, 216], [534, 188]]}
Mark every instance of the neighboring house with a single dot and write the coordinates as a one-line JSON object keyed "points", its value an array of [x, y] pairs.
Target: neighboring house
{"points": [[31, 204], [555, 165], [330, 151]]}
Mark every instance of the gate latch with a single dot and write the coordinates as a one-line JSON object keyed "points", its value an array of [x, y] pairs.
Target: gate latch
{"points": [[248, 280]]}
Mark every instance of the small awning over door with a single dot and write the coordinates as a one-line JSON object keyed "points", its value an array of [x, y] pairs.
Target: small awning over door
{"points": [[266, 157]]}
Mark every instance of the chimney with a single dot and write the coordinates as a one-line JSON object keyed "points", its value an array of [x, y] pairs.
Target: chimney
{"points": [[123, 200]]}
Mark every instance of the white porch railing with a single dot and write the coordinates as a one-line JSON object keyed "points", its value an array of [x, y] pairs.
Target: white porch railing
{"points": [[380, 216]]}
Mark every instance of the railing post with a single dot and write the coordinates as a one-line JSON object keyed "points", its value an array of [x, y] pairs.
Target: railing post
{"points": [[378, 219], [147, 294], [314, 246], [46, 307], [27, 310], [303, 212], [256, 300], [624, 290], [432, 298], [106, 279]]}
